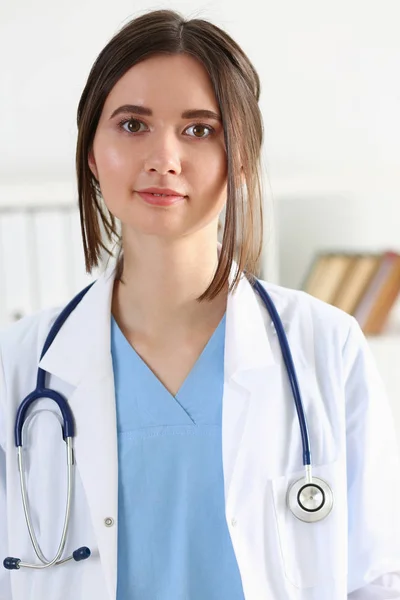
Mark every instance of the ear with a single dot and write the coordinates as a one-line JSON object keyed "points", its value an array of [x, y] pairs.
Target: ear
{"points": [[92, 165]]}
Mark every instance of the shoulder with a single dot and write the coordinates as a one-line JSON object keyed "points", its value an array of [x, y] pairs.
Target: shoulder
{"points": [[21, 345], [26, 335], [299, 310], [328, 342]]}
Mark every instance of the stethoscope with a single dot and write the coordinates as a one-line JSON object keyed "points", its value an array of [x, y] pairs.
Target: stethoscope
{"points": [[310, 499]]}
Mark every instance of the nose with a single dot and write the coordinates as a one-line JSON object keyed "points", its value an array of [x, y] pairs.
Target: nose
{"points": [[163, 154]]}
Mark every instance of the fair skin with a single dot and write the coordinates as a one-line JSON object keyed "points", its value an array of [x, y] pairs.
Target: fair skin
{"points": [[170, 253]]}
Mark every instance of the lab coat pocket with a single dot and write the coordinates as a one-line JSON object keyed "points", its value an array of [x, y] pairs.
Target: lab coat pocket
{"points": [[313, 553]]}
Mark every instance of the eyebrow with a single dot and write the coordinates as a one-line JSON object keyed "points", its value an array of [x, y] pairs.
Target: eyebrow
{"points": [[147, 112]]}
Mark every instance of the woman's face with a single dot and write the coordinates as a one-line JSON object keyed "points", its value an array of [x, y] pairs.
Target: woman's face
{"points": [[132, 151]]}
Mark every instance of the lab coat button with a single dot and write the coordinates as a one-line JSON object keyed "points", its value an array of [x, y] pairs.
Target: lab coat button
{"points": [[233, 522], [109, 522]]}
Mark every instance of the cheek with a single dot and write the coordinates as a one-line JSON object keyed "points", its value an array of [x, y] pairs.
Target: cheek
{"points": [[111, 155], [112, 160], [115, 175], [215, 178], [211, 170]]}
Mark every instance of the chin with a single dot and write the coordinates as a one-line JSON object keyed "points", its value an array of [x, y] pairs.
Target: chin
{"points": [[160, 230]]}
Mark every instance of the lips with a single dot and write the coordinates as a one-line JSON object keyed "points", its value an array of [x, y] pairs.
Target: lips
{"points": [[154, 200], [164, 191]]}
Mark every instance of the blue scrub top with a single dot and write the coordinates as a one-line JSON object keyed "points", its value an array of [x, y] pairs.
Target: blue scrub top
{"points": [[173, 539]]}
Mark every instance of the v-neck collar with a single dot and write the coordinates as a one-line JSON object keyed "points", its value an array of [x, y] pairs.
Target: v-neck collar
{"points": [[179, 400]]}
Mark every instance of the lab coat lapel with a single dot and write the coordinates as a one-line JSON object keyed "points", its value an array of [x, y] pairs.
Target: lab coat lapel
{"points": [[251, 368], [81, 356], [261, 439], [249, 360]]}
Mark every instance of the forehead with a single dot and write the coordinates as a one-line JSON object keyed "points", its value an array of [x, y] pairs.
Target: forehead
{"points": [[176, 82]]}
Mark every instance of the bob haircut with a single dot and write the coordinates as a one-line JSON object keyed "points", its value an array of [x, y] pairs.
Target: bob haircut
{"points": [[236, 86]]}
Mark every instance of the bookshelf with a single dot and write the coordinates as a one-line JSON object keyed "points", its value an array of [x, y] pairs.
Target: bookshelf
{"points": [[332, 215]]}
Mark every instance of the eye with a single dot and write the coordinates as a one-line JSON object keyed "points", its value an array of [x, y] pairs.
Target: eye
{"points": [[201, 126], [196, 126], [124, 121]]}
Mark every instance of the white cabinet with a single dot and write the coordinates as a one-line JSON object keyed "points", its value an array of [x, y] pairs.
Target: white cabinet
{"points": [[41, 252]]}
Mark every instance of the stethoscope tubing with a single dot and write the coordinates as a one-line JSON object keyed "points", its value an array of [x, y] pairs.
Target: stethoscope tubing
{"points": [[32, 535], [291, 371], [68, 430], [41, 391]]}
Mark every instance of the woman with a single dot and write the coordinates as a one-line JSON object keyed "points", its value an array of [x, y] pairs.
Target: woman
{"points": [[187, 437]]}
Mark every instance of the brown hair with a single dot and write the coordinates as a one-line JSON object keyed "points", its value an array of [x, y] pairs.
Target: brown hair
{"points": [[237, 89]]}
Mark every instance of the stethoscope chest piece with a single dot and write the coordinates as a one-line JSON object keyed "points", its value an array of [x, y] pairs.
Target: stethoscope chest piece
{"points": [[310, 502]]}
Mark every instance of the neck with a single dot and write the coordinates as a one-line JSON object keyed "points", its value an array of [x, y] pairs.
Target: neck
{"points": [[161, 282]]}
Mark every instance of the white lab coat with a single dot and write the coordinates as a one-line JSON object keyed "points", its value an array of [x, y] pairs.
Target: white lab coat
{"points": [[354, 553]]}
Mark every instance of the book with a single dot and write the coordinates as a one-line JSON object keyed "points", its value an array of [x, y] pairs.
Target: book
{"points": [[326, 274], [355, 282], [380, 295]]}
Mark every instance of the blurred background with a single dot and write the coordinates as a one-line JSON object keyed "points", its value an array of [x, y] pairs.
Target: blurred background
{"points": [[330, 101]]}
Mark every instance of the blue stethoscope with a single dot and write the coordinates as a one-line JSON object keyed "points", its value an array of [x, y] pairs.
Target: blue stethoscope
{"points": [[310, 499]]}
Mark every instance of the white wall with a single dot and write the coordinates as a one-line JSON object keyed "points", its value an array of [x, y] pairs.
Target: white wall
{"points": [[329, 72], [330, 98], [330, 95]]}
